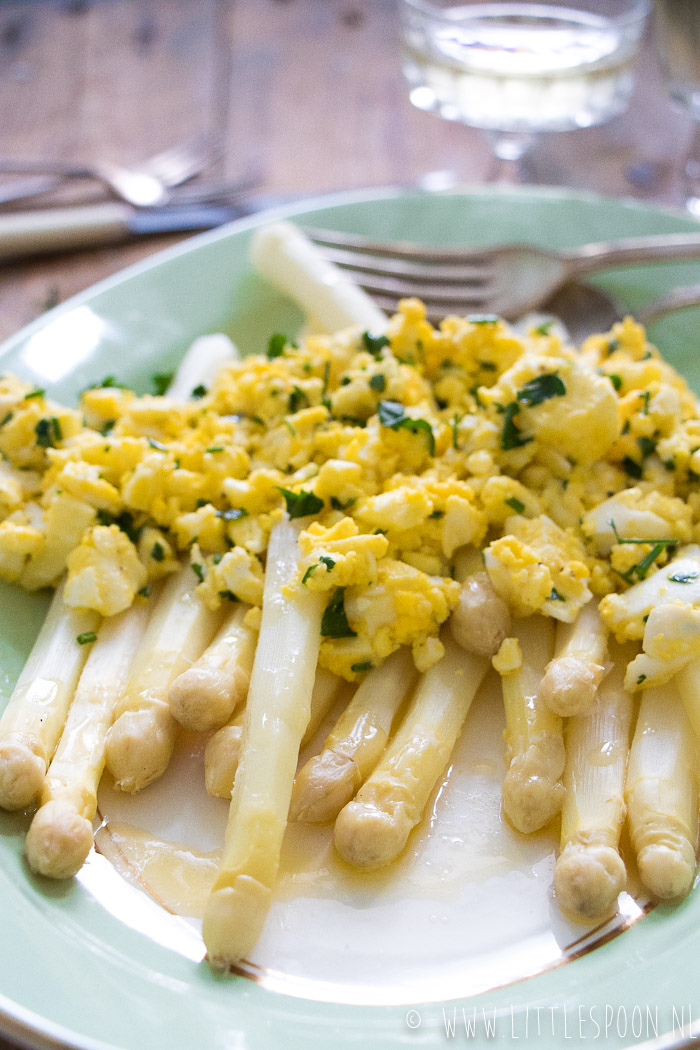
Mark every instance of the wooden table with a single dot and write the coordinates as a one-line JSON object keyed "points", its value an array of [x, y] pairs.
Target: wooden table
{"points": [[308, 92]]}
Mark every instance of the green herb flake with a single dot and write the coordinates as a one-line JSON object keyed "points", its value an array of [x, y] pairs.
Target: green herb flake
{"points": [[364, 665], [326, 377], [454, 427], [517, 505], [683, 577], [228, 596], [5, 419], [309, 573], [541, 388], [86, 637], [641, 678], [198, 570], [48, 432], [378, 383], [276, 344], [104, 384], [646, 446], [297, 399], [215, 448], [543, 329], [510, 435], [329, 562], [336, 504], [199, 392], [437, 514], [632, 468], [301, 504], [161, 381], [334, 623], [488, 366], [158, 552], [555, 596], [232, 513], [616, 381], [645, 398], [146, 591], [392, 415], [36, 392], [483, 318], [374, 344]]}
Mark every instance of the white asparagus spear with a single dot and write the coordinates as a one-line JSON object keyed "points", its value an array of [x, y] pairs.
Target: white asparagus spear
{"points": [[661, 794], [355, 744], [590, 873], [277, 715], [372, 830], [223, 748], [205, 695], [573, 676], [291, 262], [33, 719], [142, 737], [60, 835], [532, 789], [688, 685], [200, 364], [480, 620]]}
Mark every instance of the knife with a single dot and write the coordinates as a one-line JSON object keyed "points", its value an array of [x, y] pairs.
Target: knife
{"points": [[51, 230]]}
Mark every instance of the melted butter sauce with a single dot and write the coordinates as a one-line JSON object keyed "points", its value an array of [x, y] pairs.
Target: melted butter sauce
{"points": [[466, 907]]}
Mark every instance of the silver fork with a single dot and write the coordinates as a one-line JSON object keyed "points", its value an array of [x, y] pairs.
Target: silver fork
{"points": [[142, 185], [509, 279]]}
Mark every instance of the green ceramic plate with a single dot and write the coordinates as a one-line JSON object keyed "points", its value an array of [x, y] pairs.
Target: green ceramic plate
{"points": [[76, 971]]}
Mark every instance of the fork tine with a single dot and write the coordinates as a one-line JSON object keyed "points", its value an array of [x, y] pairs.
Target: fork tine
{"points": [[406, 269], [181, 162], [394, 249], [434, 293]]}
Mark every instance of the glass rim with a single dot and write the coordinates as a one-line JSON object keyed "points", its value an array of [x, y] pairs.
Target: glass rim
{"points": [[638, 10]]}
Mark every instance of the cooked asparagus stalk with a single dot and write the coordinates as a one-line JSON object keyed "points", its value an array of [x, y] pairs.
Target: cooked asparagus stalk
{"points": [[277, 715], [687, 682], [330, 779], [372, 830], [661, 794], [573, 676], [205, 695], [532, 789], [590, 873], [142, 737], [223, 748], [60, 835], [480, 620], [200, 364], [33, 719], [291, 262]]}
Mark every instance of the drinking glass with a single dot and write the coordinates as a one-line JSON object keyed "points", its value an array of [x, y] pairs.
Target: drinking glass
{"points": [[518, 69], [677, 37]]}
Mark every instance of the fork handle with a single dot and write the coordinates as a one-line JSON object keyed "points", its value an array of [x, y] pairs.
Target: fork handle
{"points": [[62, 229], [631, 251]]}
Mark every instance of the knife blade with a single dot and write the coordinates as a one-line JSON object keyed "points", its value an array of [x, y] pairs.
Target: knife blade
{"points": [[50, 230]]}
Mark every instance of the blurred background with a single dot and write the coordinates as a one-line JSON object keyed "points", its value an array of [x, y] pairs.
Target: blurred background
{"points": [[306, 97]]}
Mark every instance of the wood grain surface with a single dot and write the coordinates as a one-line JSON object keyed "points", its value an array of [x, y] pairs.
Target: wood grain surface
{"points": [[308, 93]]}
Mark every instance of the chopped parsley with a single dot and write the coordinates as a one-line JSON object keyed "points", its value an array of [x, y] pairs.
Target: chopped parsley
{"points": [[36, 392], [541, 388], [374, 344], [215, 448], [483, 318], [199, 391], [5, 419], [86, 637], [198, 570], [103, 384], [228, 596], [378, 383], [364, 665], [146, 591], [510, 435], [232, 513], [301, 504], [641, 568], [631, 467], [336, 504], [334, 623], [161, 381], [48, 432], [392, 415], [683, 577], [555, 596], [454, 425], [276, 344], [324, 560], [517, 504], [616, 381], [646, 446], [543, 329], [157, 552], [645, 398], [297, 399], [641, 678]]}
